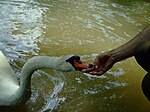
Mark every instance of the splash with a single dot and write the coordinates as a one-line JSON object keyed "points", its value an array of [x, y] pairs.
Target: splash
{"points": [[54, 100]]}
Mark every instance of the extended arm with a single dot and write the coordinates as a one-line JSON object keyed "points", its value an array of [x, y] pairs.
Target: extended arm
{"points": [[103, 62], [127, 50]]}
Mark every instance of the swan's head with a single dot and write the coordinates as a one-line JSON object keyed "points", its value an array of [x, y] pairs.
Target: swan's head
{"points": [[76, 63]]}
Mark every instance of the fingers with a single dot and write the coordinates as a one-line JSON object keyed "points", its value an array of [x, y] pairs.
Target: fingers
{"points": [[101, 64], [90, 67], [94, 70], [97, 73], [88, 70], [99, 69]]}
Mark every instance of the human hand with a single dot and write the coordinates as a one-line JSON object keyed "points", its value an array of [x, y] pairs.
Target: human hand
{"points": [[102, 63]]}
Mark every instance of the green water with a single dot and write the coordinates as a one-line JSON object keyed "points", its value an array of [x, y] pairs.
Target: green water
{"points": [[82, 27]]}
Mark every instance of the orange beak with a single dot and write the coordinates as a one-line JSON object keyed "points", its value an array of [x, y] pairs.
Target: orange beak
{"points": [[79, 65]]}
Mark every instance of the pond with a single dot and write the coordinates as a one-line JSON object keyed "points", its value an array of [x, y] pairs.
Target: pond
{"points": [[81, 27]]}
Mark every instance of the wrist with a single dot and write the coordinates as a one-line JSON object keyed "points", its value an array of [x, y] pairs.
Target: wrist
{"points": [[119, 54]]}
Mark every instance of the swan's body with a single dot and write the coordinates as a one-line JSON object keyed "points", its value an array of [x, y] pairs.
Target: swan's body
{"points": [[13, 92]]}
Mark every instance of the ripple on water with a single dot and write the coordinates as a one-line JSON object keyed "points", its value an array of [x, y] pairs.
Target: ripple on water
{"points": [[21, 26], [58, 27], [53, 100]]}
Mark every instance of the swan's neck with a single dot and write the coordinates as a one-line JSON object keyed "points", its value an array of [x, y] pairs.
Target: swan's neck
{"points": [[40, 62]]}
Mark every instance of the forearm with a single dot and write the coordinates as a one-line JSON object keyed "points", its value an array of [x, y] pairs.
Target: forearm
{"points": [[127, 50]]}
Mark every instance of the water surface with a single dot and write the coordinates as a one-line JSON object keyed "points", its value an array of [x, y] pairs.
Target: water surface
{"points": [[82, 27]]}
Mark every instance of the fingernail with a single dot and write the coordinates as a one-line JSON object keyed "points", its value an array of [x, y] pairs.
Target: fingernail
{"points": [[83, 70], [96, 67], [91, 72]]}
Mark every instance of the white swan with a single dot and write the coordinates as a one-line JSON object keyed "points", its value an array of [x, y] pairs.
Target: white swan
{"points": [[13, 92]]}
